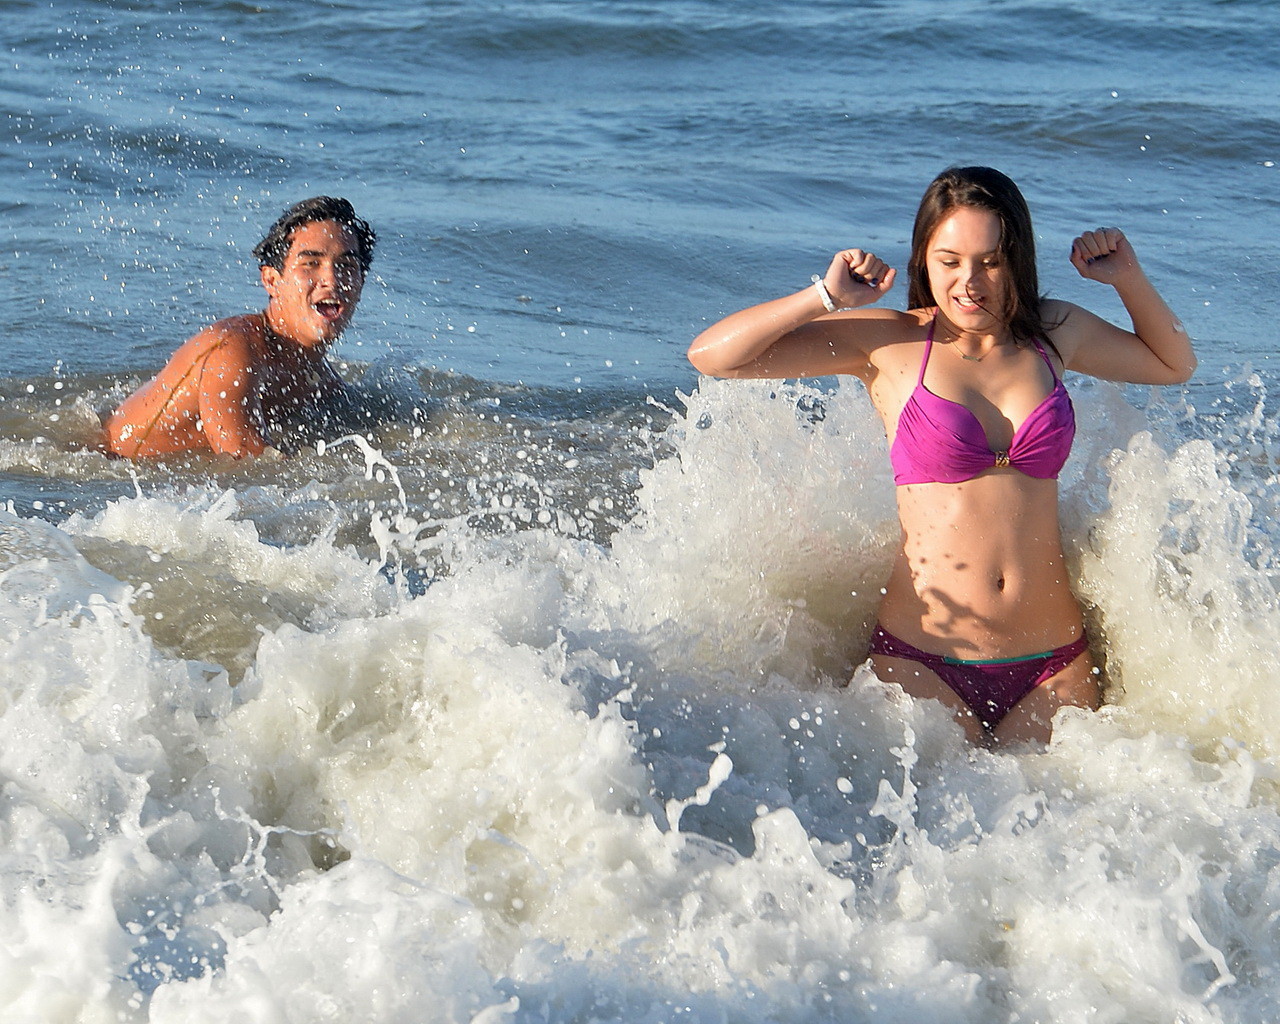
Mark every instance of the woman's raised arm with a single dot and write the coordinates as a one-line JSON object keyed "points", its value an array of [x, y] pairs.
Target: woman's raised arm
{"points": [[1157, 350], [797, 335]]}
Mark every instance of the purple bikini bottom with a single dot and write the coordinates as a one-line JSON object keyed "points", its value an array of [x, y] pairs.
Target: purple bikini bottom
{"points": [[990, 688]]}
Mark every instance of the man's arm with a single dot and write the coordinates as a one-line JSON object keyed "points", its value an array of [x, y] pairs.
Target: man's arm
{"points": [[206, 396], [229, 399]]}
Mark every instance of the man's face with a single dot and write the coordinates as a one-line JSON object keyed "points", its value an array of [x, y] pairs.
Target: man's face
{"points": [[314, 296]]}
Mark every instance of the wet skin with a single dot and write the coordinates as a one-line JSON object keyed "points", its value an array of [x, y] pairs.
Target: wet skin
{"points": [[981, 573], [223, 386]]}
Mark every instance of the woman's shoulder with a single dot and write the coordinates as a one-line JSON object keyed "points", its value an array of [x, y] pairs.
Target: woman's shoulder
{"points": [[892, 317], [1065, 325], [1061, 316], [901, 329], [878, 326], [894, 340], [1054, 313]]}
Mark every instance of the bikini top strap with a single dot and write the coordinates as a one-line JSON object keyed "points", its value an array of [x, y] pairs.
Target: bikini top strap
{"points": [[1045, 356], [928, 347]]}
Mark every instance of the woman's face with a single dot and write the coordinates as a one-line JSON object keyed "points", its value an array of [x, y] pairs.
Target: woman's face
{"points": [[967, 276]]}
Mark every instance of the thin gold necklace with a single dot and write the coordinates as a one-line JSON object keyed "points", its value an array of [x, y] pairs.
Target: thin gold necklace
{"points": [[966, 357], [952, 343]]}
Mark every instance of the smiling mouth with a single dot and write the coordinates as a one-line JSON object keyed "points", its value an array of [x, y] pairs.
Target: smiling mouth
{"points": [[329, 310]]}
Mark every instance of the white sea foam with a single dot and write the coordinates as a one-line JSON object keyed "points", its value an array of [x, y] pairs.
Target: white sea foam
{"points": [[572, 783]]}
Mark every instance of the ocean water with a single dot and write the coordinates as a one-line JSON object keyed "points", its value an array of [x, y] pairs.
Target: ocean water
{"points": [[532, 690]]}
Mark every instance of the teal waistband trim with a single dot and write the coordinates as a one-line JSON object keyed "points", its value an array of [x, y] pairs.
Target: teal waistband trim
{"points": [[995, 661]]}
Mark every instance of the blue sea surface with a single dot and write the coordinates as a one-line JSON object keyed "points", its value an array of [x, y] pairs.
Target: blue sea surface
{"points": [[536, 696], [570, 190]]}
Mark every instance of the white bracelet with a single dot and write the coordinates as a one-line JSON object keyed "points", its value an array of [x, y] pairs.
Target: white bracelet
{"points": [[823, 294]]}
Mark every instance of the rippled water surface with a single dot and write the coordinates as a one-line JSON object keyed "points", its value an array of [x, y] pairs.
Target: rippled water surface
{"points": [[530, 689]]}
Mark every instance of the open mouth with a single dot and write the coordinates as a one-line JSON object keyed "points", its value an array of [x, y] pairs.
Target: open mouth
{"points": [[331, 311]]}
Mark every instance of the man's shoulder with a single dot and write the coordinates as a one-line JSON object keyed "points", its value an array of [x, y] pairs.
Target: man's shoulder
{"points": [[243, 327], [234, 337], [233, 344]]}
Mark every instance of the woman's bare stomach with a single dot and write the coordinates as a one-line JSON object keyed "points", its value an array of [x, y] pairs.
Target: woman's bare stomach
{"points": [[981, 572]]}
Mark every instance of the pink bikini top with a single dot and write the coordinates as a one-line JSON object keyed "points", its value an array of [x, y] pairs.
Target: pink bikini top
{"points": [[940, 441]]}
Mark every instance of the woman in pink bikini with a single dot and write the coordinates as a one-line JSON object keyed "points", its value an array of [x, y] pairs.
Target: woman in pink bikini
{"points": [[978, 611]]}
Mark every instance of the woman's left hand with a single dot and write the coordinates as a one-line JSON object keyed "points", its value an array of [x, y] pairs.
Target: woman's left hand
{"points": [[1156, 351], [1103, 255]]}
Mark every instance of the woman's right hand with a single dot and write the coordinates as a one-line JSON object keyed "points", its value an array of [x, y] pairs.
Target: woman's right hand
{"points": [[792, 337], [857, 278]]}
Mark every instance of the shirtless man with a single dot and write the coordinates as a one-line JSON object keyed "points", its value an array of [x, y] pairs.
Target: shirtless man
{"points": [[226, 389]]}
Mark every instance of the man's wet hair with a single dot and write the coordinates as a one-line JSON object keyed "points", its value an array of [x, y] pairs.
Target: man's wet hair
{"points": [[273, 249]]}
